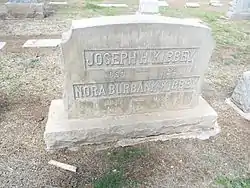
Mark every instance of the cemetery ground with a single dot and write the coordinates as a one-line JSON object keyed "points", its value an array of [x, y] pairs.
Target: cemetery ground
{"points": [[31, 78]]}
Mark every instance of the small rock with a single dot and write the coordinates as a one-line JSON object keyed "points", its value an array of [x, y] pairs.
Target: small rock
{"points": [[63, 166], [40, 119], [73, 148], [223, 17]]}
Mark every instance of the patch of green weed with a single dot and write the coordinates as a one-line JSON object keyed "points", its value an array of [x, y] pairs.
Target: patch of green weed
{"points": [[114, 179], [111, 179], [233, 183], [126, 154], [226, 32], [120, 158], [92, 6]]}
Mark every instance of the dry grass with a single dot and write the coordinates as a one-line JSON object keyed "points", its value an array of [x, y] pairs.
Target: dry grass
{"points": [[30, 79]]}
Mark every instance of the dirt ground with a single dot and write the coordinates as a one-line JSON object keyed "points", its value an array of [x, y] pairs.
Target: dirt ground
{"points": [[31, 78]]}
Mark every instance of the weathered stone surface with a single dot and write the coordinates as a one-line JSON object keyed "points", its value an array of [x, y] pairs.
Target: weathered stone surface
{"points": [[129, 79], [199, 122], [241, 94], [25, 10], [133, 64], [239, 9]]}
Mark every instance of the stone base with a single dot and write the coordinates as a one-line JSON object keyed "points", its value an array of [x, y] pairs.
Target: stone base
{"points": [[199, 122], [238, 16], [238, 110], [25, 10]]}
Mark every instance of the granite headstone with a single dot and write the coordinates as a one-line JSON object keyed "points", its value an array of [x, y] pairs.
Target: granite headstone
{"points": [[130, 79]]}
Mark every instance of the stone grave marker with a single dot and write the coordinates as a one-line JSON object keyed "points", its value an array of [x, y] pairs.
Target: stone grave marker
{"points": [[131, 79], [148, 7], [240, 99], [239, 9], [25, 9]]}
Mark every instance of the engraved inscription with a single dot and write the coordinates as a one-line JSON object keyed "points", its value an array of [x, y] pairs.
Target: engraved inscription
{"points": [[114, 74], [138, 57], [182, 99], [141, 73], [114, 105], [133, 88]]}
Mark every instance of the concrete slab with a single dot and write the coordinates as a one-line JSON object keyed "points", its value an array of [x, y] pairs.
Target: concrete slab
{"points": [[58, 3], [38, 43], [199, 122], [112, 5]]}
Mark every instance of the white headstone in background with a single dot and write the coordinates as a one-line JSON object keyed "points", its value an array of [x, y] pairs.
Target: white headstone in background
{"points": [[148, 7], [240, 99], [239, 9]]}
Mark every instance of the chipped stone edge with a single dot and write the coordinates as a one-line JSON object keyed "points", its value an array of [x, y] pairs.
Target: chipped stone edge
{"points": [[131, 142], [199, 135], [237, 109]]}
